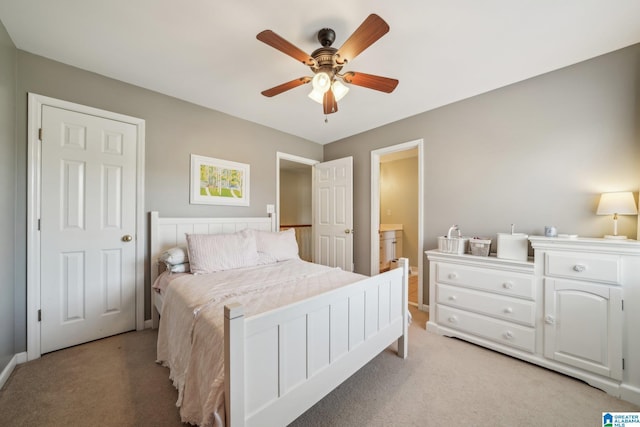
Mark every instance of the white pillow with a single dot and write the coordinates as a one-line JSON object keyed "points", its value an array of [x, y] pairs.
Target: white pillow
{"points": [[279, 245], [209, 253], [174, 256], [179, 268]]}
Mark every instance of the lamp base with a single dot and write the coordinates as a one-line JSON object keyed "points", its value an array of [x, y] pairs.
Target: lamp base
{"points": [[616, 237]]}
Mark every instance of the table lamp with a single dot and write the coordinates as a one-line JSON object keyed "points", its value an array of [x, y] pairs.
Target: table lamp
{"points": [[619, 203]]}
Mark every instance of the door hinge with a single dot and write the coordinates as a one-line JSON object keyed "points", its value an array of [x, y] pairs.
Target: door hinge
{"points": [[623, 363], [39, 315], [38, 224], [40, 134], [622, 301]]}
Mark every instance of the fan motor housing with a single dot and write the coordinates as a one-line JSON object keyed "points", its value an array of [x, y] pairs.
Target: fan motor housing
{"points": [[324, 57], [326, 37]]}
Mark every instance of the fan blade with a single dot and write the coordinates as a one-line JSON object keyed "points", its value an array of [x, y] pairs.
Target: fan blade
{"points": [[277, 90], [383, 84], [364, 36], [277, 42], [329, 103]]}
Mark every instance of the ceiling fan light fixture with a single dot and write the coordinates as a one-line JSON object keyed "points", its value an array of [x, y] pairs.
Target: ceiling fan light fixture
{"points": [[316, 96], [321, 82], [339, 90]]}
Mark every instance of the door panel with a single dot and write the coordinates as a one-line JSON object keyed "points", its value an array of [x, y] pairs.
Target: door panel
{"points": [[87, 207], [583, 326], [333, 213]]}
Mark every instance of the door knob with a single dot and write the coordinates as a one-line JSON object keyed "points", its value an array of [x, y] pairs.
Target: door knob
{"points": [[127, 238], [348, 230]]}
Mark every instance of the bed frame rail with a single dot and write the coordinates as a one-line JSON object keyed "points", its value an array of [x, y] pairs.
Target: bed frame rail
{"points": [[280, 363]]}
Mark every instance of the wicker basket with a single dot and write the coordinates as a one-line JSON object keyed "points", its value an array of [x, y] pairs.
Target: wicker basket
{"points": [[480, 246], [452, 245]]}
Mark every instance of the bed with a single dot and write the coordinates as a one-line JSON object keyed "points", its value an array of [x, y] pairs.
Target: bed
{"points": [[279, 361]]}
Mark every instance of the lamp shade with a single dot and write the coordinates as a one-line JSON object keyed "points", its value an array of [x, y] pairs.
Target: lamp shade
{"points": [[339, 90], [321, 82], [621, 203]]}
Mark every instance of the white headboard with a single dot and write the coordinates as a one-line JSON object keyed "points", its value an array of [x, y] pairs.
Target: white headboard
{"points": [[169, 232]]}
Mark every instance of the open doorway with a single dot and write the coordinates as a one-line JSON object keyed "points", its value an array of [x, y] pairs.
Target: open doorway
{"points": [[294, 200], [397, 212]]}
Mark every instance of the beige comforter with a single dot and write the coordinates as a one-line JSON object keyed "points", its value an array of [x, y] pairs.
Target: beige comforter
{"points": [[191, 334]]}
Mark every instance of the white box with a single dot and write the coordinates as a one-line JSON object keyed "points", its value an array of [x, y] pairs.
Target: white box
{"points": [[513, 246]]}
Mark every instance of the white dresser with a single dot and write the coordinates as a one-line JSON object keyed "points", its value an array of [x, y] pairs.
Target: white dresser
{"points": [[485, 300], [574, 307]]}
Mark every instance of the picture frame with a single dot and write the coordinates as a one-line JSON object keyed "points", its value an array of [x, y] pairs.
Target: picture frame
{"points": [[219, 182]]}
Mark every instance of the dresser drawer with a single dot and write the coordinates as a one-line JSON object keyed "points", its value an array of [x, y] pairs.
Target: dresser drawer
{"points": [[507, 283], [502, 307], [596, 268], [516, 336]]}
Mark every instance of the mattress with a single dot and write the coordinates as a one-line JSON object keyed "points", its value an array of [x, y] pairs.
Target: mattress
{"points": [[191, 333]]}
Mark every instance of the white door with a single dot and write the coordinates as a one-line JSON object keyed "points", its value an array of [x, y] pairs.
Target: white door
{"points": [[87, 228], [333, 213]]}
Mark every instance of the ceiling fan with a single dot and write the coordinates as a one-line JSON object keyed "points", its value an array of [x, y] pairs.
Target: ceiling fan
{"points": [[326, 63]]}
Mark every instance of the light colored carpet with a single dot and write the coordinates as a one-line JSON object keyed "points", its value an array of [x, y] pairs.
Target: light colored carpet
{"points": [[444, 381]]}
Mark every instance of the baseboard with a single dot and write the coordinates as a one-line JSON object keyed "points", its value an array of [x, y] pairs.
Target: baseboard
{"points": [[15, 360], [148, 324], [630, 393]]}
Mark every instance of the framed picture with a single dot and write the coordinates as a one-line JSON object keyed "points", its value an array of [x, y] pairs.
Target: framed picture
{"points": [[219, 182]]}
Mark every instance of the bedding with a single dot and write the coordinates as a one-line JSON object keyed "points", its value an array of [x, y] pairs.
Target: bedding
{"points": [[280, 246], [209, 253], [191, 337], [174, 256]]}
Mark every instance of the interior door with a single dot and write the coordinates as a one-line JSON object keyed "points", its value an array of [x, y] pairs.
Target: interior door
{"points": [[333, 213], [87, 228]]}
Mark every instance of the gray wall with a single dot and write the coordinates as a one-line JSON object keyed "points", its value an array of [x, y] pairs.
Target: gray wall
{"points": [[534, 153], [7, 194], [174, 130]]}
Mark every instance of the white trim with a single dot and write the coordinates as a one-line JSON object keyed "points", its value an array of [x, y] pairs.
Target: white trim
{"points": [[6, 372], [34, 117], [375, 208], [293, 158]]}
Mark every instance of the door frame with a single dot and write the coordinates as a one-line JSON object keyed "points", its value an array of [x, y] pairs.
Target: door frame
{"points": [[34, 123], [375, 209]]}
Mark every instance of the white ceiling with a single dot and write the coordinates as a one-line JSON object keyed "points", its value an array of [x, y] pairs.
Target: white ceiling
{"points": [[206, 51]]}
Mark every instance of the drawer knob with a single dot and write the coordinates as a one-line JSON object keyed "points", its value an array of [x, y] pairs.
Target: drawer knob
{"points": [[548, 319], [507, 285], [579, 268], [452, 319], [508, 310], [508, 335], [453, 276], [452, 298]]}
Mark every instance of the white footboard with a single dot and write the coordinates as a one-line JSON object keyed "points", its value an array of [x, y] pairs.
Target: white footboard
{"points": [[280, 363]]}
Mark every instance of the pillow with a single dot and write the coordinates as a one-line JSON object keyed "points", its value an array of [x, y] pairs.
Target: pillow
{"points": [[279, 245], [174, 256], [209, 253], [179, 268]]}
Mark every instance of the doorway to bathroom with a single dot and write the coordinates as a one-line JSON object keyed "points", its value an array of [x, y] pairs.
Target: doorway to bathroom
{"points": [[397, 212]]}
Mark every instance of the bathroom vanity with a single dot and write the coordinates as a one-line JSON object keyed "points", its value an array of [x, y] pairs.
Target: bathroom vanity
{"points": [[574, 307], [390, 244]]}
